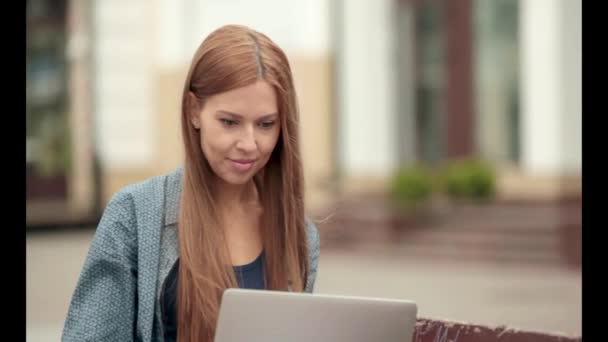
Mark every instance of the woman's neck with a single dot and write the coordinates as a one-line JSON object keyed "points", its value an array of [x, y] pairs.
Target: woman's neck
{"points": [[232, 197]]}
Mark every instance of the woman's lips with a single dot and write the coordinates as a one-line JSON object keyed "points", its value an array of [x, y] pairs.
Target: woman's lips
{"points": [[242, 165]]}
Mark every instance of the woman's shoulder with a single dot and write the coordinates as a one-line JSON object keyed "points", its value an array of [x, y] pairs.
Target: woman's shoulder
{"points": [[312, 232]]}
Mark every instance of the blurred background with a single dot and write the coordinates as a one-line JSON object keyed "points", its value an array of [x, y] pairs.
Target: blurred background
{"points": [[441, 142]]}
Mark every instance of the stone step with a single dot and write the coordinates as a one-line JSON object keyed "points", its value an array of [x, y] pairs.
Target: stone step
{"points": [[459, 254], [502, 233], [490, 239]]}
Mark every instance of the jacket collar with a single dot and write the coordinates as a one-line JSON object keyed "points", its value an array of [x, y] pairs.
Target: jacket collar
{"points": [[173, 188]]}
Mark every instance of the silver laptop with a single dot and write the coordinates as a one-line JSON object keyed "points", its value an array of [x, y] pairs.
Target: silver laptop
{"points": [[255, 315]]}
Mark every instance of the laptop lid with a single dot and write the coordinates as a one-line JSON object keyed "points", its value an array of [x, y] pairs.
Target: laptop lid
{"points": [[256, 315]]}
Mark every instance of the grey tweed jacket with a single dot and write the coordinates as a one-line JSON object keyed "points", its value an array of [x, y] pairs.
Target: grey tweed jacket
{"points": [[133, 249]]}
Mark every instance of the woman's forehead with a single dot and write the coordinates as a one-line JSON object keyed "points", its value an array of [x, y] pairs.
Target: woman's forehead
{"points": [[257, 99]]}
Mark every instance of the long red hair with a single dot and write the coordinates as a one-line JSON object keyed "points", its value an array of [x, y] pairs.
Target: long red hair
{"points": [[232, 57]]}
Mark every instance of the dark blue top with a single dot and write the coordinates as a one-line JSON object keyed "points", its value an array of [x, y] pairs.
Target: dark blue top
{"points": [[250, 276]]}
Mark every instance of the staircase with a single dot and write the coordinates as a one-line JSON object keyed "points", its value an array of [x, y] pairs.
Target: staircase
{"points": [[519, 233]]}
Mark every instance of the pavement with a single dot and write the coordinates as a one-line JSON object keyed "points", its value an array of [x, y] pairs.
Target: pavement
{"points": [[546, 298]]}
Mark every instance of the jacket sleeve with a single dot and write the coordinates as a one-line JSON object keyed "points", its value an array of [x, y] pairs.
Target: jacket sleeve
{"points": [[313, 251], [103, 305]]}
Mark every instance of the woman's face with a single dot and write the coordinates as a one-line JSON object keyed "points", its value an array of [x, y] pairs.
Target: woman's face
{"points": [[239, 130]]}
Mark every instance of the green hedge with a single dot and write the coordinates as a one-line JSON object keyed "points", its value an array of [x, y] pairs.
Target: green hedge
{"points": [[471, 179], [412, 186]]}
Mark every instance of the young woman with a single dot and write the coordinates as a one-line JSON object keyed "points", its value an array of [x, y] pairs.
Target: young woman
{"points": [[232, 216]]}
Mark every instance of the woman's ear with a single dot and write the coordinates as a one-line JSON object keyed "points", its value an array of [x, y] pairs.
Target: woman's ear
{"points": [[194, 110]]}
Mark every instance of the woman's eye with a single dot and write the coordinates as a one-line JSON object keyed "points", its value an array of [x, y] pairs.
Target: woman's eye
{"points": [[228, 122], [267, 124]]}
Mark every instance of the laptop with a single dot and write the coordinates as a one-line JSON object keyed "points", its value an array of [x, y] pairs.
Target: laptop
{"points": [[261, 315]]}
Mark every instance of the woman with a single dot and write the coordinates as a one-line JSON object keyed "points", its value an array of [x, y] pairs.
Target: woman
{"points": [[166, 248]]}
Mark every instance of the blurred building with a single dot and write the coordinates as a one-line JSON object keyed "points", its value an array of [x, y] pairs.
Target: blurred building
{"points": [[436, 80], [381, 84], [61, 161]]}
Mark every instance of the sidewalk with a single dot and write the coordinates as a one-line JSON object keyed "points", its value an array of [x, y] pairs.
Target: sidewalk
{"points": [[545, 299], [534, 298]]}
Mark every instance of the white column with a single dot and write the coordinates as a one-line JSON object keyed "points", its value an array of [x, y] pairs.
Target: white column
{"points": [[406, 131], [366, 81], [172, 36], [123, 83], [298, 27], [571, 38], [550, 85], [81, 180], [492, 107]]}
